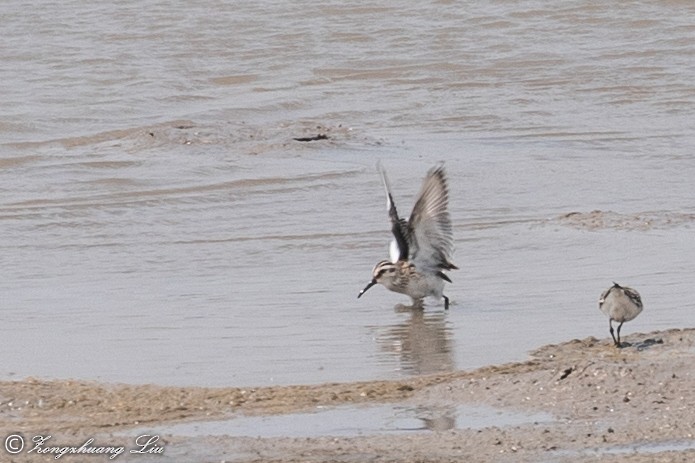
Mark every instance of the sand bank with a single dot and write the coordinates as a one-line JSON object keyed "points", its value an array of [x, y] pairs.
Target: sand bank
{"points": [[635, 404]]}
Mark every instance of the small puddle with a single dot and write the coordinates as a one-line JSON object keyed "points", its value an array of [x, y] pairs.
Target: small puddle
{"points": [[355, 421]]}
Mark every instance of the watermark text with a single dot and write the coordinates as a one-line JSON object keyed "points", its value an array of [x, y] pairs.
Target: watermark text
{"points": [[144, 444]]}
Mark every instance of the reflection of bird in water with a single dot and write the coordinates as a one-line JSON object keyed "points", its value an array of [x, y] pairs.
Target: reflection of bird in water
{"points": [[621, 304], [422, 246], [422, 342], [438, 418]]}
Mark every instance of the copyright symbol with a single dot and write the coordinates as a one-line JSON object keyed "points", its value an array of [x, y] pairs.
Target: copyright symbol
{"points": [[14, 443]]}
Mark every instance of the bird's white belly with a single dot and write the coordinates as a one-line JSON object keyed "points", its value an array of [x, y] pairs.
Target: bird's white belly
{"points": [[425, 285]]}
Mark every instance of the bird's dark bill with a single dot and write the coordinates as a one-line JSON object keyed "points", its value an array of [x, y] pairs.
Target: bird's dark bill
{"points": [[369, 285]]}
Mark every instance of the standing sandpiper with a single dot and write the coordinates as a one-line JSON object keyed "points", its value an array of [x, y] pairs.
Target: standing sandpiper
{"points": [[621, 304], [421, 250]]}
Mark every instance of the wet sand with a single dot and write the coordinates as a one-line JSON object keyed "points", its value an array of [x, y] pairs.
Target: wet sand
{"points": [[635, 404]]}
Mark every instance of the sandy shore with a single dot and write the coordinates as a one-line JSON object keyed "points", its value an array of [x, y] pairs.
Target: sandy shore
{"points": [[635, 404]]}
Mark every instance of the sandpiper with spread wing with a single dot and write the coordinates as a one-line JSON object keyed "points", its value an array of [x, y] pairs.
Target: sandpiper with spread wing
{"points": [[422, 246]]}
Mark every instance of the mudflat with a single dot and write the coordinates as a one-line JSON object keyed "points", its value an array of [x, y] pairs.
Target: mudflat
{"points": [[634, 404]]}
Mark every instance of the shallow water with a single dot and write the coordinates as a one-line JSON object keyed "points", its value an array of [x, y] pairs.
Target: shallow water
{"points": [[352, 421], [160, 224]]}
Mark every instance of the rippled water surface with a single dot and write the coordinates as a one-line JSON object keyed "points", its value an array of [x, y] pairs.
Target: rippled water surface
{"points": [[161, 224]]}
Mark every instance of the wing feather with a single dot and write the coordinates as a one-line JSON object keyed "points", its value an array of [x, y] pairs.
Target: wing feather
{"points": [[399, 227], [431, 244]]}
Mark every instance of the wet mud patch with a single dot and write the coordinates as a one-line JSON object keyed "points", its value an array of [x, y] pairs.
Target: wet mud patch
{"points": [[254, 139], [609, 220]]}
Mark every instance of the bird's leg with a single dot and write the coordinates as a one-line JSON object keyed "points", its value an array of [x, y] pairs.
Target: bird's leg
{"points": [[446, 302], [610, 328], [619, 326]]}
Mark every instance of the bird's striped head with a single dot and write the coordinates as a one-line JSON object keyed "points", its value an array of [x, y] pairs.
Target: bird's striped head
{"points": [[383, 270]]}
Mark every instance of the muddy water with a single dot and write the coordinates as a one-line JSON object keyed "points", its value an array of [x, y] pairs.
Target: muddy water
{"points": [[161, 224]]}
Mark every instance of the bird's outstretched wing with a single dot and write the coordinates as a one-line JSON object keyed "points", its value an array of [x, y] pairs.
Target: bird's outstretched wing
{"points": [[431, 244], [400, 246]]}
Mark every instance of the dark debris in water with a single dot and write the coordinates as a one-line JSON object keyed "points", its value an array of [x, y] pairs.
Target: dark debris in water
{"points": [[320, 136]]}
